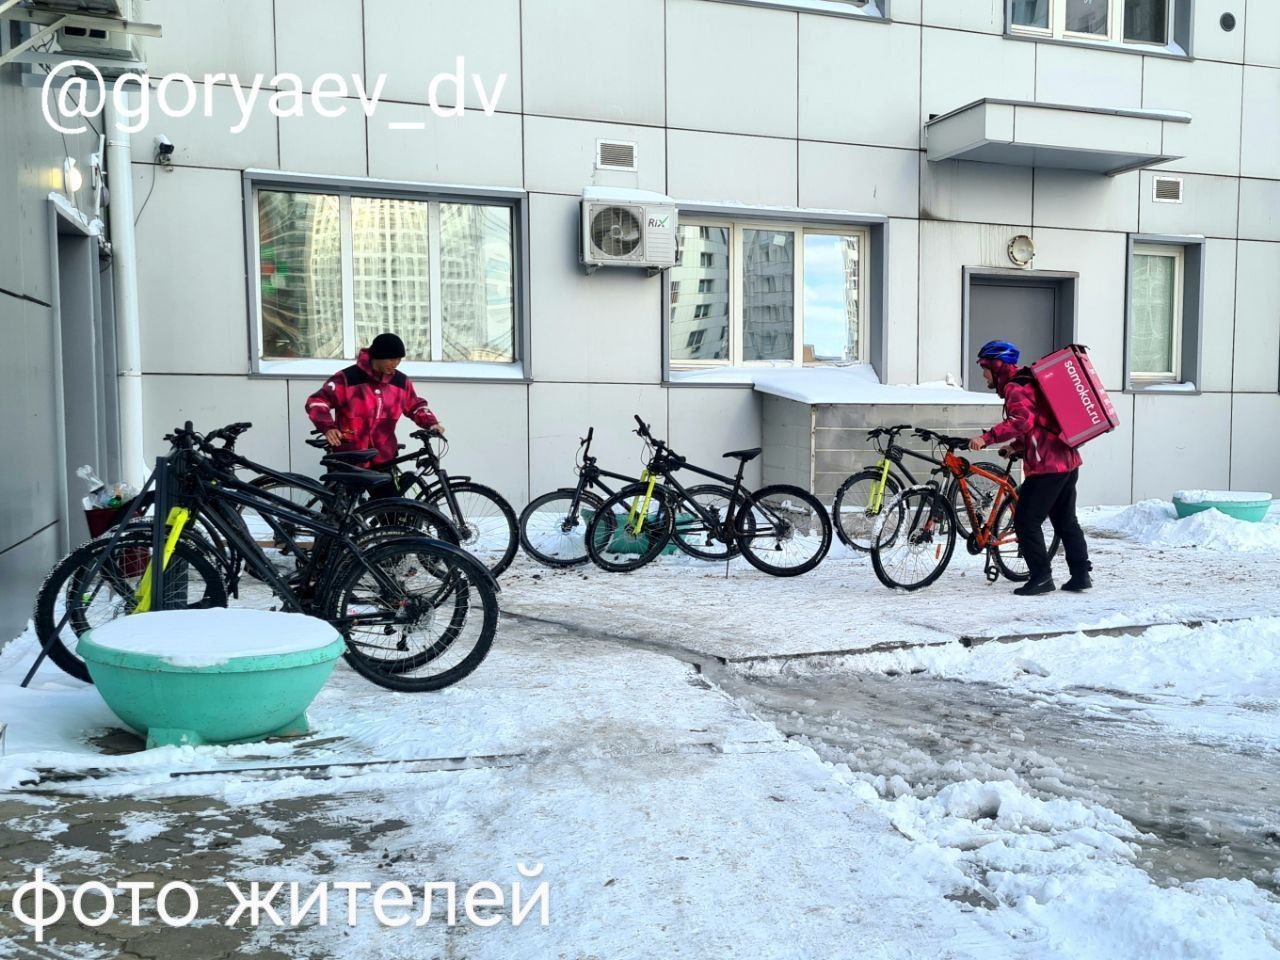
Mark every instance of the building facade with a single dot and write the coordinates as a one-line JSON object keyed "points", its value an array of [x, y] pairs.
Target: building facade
{"points": [[857, 183]]}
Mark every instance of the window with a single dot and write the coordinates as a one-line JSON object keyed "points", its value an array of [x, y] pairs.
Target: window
{"points": [[1155, 314], [767, 293], [1117, 21], [335, 270]]}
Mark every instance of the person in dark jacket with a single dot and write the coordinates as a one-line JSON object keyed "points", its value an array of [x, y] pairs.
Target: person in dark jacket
{"points": [[359, 406], [1050, 467]]}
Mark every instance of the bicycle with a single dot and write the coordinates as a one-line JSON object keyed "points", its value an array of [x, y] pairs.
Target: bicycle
{"points": [[779, 529], [404, 603], [860, 499], [915, 535], [553, 526]]}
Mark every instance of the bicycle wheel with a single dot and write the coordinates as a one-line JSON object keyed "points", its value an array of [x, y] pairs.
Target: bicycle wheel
{"points": [[486, 524], [694, 535], [857, 507], [553, 531], [417, 614], [618, 543], [72, 602], [1005, 548], [982, 492], [785, 531], [262, 531], [407, 517], [914, 539]]}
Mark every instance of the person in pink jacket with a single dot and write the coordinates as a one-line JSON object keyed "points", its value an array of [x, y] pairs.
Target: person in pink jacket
{"points": [[358, 407], [1051, 470]]}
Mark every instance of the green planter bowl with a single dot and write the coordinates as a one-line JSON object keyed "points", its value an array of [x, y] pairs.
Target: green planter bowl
{"points": [[240, 699], [1243, 507]]}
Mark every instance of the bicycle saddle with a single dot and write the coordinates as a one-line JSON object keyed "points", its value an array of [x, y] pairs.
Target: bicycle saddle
{"points": [[746, 456], [338, 458], [364, 480]]}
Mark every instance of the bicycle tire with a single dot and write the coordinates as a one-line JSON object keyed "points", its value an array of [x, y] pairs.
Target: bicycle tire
{"points": [[693, 536], [845, 504], [502, 539], [69, 577], [917, 515], [461, 581], [610, 538], [570, 533], [755, 535], [1006, 559], [983, 493]]}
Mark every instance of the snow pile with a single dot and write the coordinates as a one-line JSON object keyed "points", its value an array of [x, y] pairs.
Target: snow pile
{"points": [[210, 638], [1220, 496], [1062, 873], [1156, 524]]}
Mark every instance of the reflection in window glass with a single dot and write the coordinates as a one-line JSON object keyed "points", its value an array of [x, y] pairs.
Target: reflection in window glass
{"points": [[699, 322], [1146, 21], [832, 326], [1153, 315], [300, 253], [768, 302], [1031, 13], [1087, 16], [477, 284], [391, 276]]}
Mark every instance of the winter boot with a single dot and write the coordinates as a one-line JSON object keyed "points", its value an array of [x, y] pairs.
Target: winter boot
{"points": [[1080, 579], [1036, 586]]}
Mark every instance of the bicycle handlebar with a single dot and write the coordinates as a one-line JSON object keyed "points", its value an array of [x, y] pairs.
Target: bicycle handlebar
{"points": [[951, 443]]}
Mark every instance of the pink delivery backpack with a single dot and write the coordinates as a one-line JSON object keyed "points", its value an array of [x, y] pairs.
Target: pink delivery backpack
{"points": [[1075, 394]]}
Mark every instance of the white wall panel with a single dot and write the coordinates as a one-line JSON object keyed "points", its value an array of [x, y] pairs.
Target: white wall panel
{"points": [[731, 69], [1107, 474], [958, 68], [210, 402], [315, 37], [708, 422], [1260, 132], [560, 155], [975, 192], [1208, 206], [1208, 40], [1255, 455], [191, 273], [902, 305], [982, 15], [1257, 342], [213, 36], [412, 42], [1210, 143], [597, 61], [606, 327], [836, 176], [1181, 442], [1083, 77], [334, 146], [836, 59], [713, 166], [1262, 34], [1260, 210], [474, 149], [1086, 201], [1217, 341], [213, 141]]}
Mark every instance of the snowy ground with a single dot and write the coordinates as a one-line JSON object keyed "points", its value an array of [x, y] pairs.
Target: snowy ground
{"points": [[1065, 796]]}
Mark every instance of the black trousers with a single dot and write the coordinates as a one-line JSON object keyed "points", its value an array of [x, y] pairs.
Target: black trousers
{"points": [[1052, 497]]}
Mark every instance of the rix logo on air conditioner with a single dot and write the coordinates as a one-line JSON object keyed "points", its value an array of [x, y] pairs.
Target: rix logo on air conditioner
{"points": [[628, 228]]}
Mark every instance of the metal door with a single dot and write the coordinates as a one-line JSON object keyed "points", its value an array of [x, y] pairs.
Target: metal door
{"points": [[1023, 313]]}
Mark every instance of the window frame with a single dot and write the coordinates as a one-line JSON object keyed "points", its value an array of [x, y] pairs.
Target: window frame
{"points": [[1178, 255], [1177, 21], [345, 188], [1189, 312], [799, 229]]}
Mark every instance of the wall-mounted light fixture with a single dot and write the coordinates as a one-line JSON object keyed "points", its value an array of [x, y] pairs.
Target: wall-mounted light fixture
{"points": [[1021, 250]]}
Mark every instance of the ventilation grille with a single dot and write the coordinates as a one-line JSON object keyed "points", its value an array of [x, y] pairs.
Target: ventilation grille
{"points": [[615, 155], [1166, 190]]}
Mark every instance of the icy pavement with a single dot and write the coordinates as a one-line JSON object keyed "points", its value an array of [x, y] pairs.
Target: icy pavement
{"points": [[1222, 569]]}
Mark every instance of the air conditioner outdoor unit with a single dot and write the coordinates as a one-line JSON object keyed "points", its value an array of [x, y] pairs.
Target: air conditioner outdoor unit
{"points": [[94, 41], [627, 228]]}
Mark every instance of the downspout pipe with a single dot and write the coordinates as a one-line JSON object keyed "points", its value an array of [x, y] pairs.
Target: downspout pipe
{"points": [[124, 266]]}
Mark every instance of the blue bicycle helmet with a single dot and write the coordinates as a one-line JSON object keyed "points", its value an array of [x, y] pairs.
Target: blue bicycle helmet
{"points": [[1000, 350]]}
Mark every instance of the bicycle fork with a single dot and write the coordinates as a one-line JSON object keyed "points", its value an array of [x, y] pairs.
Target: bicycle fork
{"points": [[876, 500], [640, 505], [175, 523]]}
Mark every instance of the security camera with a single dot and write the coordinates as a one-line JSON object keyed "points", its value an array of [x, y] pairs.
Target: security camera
{"points": [[164, 151]]}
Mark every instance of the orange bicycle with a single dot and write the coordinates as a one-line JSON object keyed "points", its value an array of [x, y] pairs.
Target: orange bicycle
{"points": [[915, 535]]}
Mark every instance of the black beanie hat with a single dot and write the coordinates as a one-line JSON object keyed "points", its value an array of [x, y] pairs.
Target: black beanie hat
{"points": [[386, 346]]}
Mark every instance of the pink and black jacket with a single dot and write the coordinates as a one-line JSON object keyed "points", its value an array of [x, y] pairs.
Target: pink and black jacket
{"points": [[1029, 425], [365, 406]]}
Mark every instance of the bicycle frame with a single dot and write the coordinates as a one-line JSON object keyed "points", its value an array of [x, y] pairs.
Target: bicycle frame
{"points": [[664, 466]]}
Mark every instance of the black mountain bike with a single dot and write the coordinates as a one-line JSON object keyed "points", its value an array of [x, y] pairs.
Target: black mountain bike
{"points": [[553, 526], [416, 613], [862, 498], [780, 529]]}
